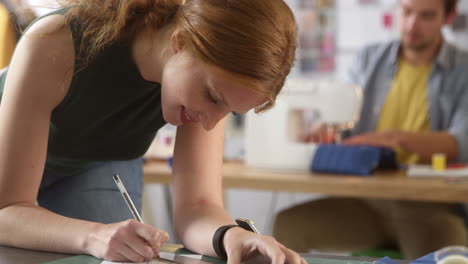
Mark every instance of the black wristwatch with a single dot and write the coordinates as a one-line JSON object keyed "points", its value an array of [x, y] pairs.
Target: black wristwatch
{"points": [[247, 225], [218, 238]]}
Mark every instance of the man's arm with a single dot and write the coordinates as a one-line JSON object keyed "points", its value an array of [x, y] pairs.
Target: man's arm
{"points": [[422, 143], [458, 126]]}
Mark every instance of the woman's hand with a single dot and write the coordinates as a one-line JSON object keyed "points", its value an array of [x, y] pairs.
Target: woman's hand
{"points": [[240, 243], [126, 241]]}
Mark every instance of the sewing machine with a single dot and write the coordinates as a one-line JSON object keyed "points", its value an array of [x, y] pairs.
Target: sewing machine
{"points": [[306, 112]]}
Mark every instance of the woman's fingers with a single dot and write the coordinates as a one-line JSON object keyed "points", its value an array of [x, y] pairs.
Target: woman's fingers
{"points": [[243, 243], [273, 250], [132, 255], [234, 258], [154, 237], [132, 241], [140, 247], [292, 256]]}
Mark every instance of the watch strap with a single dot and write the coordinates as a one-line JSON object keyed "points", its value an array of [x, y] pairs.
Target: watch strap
{"points": [[218, 240]]}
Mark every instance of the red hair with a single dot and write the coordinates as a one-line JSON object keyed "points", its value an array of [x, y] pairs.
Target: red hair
{"points": [[254, 39]]}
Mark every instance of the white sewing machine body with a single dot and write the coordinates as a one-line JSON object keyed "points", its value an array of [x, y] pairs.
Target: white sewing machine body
{"points": [[272, 140]]}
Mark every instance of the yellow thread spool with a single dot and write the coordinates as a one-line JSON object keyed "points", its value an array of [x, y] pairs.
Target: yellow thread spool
{"points": [[439, 162]]}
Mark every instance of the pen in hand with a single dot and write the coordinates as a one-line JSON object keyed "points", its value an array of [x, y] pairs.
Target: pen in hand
{"points": [[127, 198]]}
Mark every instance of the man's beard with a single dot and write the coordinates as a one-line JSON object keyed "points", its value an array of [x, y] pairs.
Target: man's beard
{"points": [[418, 47]]}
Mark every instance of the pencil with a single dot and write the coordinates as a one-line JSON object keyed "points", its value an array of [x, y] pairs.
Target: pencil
{"points": [[127, 198]]}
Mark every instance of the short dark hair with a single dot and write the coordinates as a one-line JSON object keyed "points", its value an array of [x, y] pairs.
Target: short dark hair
{"points": [[449, 6]]}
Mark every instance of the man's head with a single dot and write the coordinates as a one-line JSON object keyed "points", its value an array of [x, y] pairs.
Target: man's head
{"points": [[422, 20]]}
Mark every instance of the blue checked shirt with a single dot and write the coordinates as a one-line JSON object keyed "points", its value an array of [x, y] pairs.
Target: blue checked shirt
{"points": [[374, 69]]}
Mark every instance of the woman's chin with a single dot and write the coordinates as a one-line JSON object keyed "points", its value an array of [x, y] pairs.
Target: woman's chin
{"points": [[172, 121]]}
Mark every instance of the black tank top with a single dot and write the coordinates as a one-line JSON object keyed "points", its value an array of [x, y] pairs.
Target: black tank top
{"points": [[109, 113]]}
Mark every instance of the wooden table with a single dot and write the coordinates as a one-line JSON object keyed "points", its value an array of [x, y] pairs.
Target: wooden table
{"points": [[385, 185]]}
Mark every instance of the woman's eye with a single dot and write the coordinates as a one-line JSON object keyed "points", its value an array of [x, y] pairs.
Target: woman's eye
{"points": [[211, 98]]}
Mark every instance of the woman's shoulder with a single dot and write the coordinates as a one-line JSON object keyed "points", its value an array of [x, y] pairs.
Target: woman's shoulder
{"points": [[50, 41], [45, 54], [49, 28]]}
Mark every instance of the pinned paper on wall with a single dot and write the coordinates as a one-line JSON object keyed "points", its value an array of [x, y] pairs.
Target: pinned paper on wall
{"points": [[317, 30]]}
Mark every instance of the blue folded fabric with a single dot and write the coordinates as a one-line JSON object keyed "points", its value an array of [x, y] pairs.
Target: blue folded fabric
{"points": [[385, 260], [358, 160], [427, 259]]}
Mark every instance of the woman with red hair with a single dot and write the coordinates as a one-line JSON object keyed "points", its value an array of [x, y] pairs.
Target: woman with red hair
{"points": [[87, 89]]}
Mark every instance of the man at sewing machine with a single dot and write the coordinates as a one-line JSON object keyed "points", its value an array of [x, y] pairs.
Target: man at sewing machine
{"points": [[415, 102]]}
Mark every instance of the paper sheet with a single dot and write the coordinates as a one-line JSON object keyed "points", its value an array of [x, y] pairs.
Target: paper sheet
{"points": [[427, 171], [165, 255]]}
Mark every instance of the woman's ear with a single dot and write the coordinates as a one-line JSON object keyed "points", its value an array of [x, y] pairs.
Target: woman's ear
{"points": [[177, 42]]}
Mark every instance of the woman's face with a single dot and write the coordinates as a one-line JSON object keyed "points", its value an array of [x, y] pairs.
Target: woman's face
{"points": [[194, 91]]}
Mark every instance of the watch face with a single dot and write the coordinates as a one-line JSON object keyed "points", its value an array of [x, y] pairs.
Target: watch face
{"points": [[247, 225]]}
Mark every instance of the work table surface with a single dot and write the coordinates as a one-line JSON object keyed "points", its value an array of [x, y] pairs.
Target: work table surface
{"points": [[382, 184]]}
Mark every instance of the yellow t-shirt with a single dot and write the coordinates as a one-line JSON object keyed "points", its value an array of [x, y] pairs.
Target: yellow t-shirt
{"points": [[406, 107], [7, 37]]}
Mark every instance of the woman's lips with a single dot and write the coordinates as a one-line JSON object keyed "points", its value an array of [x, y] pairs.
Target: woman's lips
{"points": [[185, 117]]}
